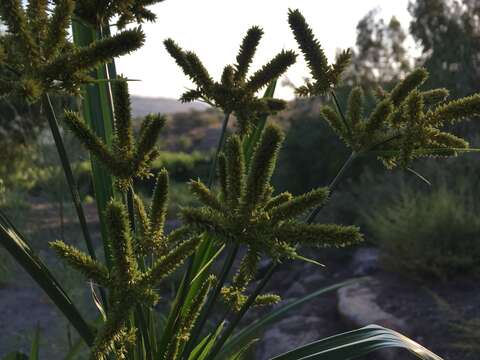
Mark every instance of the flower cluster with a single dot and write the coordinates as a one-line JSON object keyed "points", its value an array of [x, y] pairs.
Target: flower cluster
{"points": [[325, 76], [36, 56], [405, 123], [128, 285], [235, 93], [127, 159], [98, 13], [246, 213]]}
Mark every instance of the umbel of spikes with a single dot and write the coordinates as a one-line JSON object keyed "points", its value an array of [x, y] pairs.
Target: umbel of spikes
{"points": [[98, 13], [127, 159], [246, 213], [128, 286], [36, 57], [405, 123], [324, 75], [235, 93]]}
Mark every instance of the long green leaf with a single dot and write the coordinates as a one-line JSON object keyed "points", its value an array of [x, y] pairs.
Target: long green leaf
{"points": [[249, 333], [98, 114], [357, 343], [21, 251], [34, 351]]}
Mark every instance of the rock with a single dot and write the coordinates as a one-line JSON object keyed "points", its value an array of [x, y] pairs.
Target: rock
{"points": [[365, 261], [357, 307], [296, 290], [288, 334]]}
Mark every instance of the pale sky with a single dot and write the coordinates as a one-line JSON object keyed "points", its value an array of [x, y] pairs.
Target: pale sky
{"points": [[214, 29]]}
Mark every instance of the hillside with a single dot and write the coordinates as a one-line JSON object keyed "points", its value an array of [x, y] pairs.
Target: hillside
{"points": [[142, 106]]}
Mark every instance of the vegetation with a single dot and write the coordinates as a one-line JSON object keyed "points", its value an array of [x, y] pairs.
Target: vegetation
{"points": [[431, 233], [237, 209]]}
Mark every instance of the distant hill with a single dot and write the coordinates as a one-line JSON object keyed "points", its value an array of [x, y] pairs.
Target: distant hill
{"points": [[142, 106]]}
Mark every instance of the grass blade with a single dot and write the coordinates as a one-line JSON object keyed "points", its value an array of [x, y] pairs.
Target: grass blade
{"points": [[34, 352], [98, 114], [357, 343], [21, 251]]}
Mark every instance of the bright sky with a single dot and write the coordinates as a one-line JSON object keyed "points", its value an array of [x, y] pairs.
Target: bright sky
{"points": [[214, 29]]}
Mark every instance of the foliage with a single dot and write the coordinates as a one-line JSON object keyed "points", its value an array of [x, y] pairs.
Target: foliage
{"points": [[448, 32], [429, 234], [380, 56], [183, 166]]}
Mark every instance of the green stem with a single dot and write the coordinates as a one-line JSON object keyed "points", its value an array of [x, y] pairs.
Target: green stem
{"points": [[221, 141], [238, 317], [333, 185], [72, 185], [208, 307], [342, 115]]}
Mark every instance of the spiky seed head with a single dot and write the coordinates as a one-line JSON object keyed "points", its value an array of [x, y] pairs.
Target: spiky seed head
{"points": [[247, 51], [271, 71], [262, 165], [412, 81]]}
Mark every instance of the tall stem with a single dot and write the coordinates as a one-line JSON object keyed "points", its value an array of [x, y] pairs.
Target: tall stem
{"points": [[333, 185], [221, 141], [208, 307], [340, 111], [72, 185]]}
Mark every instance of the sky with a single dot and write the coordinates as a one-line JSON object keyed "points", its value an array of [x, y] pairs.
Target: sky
{"points": [[214, 29]]}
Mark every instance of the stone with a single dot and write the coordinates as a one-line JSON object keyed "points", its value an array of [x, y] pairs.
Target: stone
{"points": [[357, 307], [365, 261]]}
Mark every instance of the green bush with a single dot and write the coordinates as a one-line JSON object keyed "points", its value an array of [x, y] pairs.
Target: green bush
{"points": [[183, 166], [434, 234]]}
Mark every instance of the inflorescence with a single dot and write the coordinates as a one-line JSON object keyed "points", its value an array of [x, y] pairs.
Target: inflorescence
{"points": [[127, 159], [128, 285], [37, 57], [246, 213], [235, 93], [405, 123]]}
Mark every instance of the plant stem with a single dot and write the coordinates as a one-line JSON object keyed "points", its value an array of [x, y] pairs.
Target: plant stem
{"points": [[221, 140], [238, 317], [342, 115], [333, 185], [72, 185], [208, 307]]}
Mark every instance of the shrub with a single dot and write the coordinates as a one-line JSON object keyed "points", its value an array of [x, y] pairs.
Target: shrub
{"points": [[434, 234], [183, 166]]}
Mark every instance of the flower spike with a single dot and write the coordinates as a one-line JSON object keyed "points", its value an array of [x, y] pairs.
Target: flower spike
{"points": [[246, 213], [234, 93]]}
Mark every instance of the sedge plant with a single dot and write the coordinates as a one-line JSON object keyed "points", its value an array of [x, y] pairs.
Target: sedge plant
{"points": [[239, 213]]}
